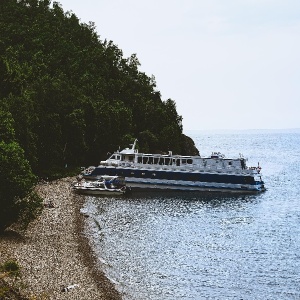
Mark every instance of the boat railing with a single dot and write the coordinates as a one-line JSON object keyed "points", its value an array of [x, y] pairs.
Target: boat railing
{"points": [[185, 168]]}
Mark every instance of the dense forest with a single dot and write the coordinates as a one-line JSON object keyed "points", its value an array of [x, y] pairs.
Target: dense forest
{"points": [[67, 97]]}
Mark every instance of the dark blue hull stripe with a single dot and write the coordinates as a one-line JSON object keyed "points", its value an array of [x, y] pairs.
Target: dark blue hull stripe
{"points": [[175, 175]]}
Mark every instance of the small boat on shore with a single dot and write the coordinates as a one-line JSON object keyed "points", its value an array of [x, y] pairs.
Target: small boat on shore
{"points": [[105, 185]]}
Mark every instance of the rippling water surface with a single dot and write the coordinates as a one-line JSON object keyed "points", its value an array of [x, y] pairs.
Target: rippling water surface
{"points": [[195, 246]]}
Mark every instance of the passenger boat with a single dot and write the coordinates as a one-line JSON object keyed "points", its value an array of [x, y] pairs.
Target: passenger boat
{"points": [[177, 172], [104, 185]]}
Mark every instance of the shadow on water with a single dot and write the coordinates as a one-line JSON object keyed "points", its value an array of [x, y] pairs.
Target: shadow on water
{"points": [[191, 196]]}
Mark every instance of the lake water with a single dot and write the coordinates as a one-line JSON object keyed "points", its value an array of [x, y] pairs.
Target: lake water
{"points": [[193, 246]]}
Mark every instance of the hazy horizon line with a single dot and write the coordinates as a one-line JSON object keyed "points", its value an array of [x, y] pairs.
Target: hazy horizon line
{"points": [[253, 129]]}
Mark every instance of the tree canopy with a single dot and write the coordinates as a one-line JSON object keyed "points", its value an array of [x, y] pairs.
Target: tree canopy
{"points": [[17, 201], [67, 97]]}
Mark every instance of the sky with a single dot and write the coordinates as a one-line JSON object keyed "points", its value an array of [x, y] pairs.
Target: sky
{"points": [[231, 64]]}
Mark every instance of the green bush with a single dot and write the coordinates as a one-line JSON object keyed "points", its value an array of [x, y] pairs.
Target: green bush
{"points": [[17, 181], [9, 269], [12, 268]]}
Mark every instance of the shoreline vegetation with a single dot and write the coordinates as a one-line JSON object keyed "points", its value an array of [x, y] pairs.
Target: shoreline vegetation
{"points": [[53, 253], [60, 85]]}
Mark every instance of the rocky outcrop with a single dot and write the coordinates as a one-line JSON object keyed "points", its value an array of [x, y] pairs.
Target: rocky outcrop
{"points": [[188, 146]]}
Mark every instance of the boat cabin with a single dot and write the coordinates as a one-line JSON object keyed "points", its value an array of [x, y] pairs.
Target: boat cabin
{"points": [[130, 157]]}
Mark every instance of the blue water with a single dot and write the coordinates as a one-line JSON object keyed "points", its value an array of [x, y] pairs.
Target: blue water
{"points": [[193, 246]]}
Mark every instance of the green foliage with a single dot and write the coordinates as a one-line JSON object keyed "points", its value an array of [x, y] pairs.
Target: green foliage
{"points": [[7, 131], [66, 99], [12, 268], [16, 182], [147, 141], [4, 289], [16, 199], [72, 96]]}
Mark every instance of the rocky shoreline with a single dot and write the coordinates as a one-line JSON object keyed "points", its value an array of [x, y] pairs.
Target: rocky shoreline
{"points": [[54, 253]]}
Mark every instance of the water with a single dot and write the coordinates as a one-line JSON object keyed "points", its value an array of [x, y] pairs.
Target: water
{"points": [[193, 246]]}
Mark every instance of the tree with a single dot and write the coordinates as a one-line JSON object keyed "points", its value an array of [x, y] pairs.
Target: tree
{"points": [[16, 180], [16, 177], [74, 97]]}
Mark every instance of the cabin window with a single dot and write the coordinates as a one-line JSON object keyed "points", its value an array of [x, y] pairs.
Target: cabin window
{"points": [[156, 160], [140, 160], [189, 161], [128, 158], [150, 160], [167, 161], [177, 162], [230, 163], [145, 160]]}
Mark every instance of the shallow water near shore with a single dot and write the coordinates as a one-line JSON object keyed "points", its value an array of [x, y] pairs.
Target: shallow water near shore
{"points": [[208, 246]]}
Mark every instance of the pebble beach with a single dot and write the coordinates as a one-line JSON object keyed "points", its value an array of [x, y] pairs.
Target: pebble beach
{"points": [[54, 253]]}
